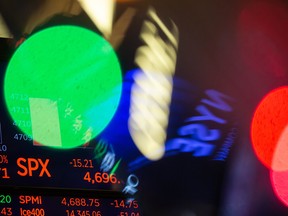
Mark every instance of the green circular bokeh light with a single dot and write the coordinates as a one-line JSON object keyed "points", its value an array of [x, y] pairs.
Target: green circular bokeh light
{"points": [[62, 86]]}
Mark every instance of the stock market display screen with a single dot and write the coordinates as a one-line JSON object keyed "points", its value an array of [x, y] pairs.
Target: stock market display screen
{"points": [[143, 108]]}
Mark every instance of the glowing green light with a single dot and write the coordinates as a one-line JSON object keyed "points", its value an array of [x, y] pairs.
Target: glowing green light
{"points": [[113, 171], [63, 86]]}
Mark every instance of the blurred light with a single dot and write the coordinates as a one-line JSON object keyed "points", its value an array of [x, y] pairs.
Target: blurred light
{"points": [[47, 10], [66, 81], [279, 179], [149, 114], [269, 130], [127, 1], [46, 131], [280, 157], [4, 31], [280, 185], [121, 26], [263, 43], [152, 88], [101, 13]]}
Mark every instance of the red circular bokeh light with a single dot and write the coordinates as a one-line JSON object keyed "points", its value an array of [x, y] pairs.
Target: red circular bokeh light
{"points": [[280, 185], [269, 130]]}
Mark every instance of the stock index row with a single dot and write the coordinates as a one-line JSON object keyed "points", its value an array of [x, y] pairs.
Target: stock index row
{"points": [[14, 202]]}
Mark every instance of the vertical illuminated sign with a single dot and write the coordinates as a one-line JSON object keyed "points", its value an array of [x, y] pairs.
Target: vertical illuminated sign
{"points": [[152, 88]]}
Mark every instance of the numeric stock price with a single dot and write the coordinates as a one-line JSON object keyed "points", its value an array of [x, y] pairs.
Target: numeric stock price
{"points": [[82, 213], [100, 178], [84, 202], [122, 204]]}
